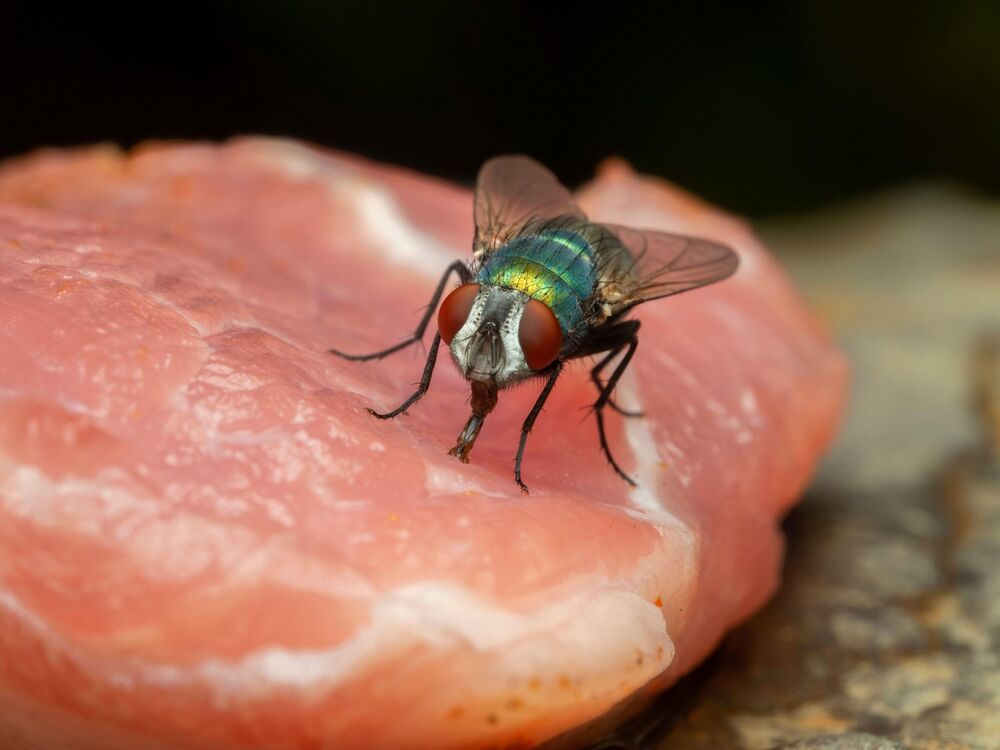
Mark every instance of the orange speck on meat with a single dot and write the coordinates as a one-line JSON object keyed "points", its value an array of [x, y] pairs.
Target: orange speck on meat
{"points": [[659, 601], [142, 354], [492, 718], [63, 290], [534, 683], [182, 187], [564, 683], [393, 517], [514, 703], [455, 712]]}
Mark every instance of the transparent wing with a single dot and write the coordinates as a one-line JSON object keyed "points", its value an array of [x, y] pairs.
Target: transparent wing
{"points": [[512, 191], [645, 265]]}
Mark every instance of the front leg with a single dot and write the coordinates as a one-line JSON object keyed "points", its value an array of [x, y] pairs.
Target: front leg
{"points": [[425, 382], [464, 276], [530, 421]]}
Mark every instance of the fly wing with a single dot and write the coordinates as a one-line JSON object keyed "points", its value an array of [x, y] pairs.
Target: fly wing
{"points": [[512, 191], [645, 265]]}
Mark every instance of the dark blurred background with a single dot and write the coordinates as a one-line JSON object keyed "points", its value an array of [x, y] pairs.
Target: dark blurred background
{"points": [[765, 108]]}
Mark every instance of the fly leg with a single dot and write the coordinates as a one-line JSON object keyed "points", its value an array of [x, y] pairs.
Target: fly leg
{"points": [[595, 375], [425, 382], [622, 336], [530, 421], [464, 276]]}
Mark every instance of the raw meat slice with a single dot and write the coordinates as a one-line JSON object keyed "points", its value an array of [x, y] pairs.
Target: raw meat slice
{"points": [[206, 541]]}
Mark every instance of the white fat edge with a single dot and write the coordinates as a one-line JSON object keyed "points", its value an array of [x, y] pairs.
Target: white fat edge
{"points": [[402, 242], [646, 501], [592, 636], [66, 404], [13, 606], [440, 481], [294, 158], [104, 507], [178, 547], [88, 505], [570, 637], [439, 614], [678, 549], [382, 219]]}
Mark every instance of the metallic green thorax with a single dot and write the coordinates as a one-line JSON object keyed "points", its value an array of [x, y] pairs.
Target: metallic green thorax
{"points": [[554, 266]]}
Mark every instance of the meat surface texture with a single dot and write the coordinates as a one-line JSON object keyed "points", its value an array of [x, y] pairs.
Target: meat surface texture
{"points": [[206, 542]]}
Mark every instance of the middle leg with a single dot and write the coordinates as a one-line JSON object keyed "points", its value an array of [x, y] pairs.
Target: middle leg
{"points": [[595, 376], [621, 336]]}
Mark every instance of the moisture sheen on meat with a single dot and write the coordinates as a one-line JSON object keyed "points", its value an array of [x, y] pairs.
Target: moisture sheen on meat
{"points": [[206, 541]]}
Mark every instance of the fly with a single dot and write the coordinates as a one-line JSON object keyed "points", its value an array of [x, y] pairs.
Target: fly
{"points": [[545, 285]]}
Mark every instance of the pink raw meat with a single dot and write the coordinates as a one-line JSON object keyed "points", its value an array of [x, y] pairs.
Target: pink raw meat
{"points": [[205, 540]]}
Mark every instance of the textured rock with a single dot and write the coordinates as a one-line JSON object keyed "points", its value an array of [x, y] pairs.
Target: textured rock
{"points": [[847, 741]]}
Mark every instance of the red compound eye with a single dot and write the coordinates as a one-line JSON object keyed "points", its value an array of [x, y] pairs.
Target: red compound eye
{"points": [[455, 310], [539, 334]]}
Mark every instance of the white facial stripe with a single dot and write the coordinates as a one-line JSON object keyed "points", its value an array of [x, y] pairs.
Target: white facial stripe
{"points": [[460, 343], [515, 366]]}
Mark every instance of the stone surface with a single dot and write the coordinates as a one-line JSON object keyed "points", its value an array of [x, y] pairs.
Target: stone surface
{"points": [[886, 633]]}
